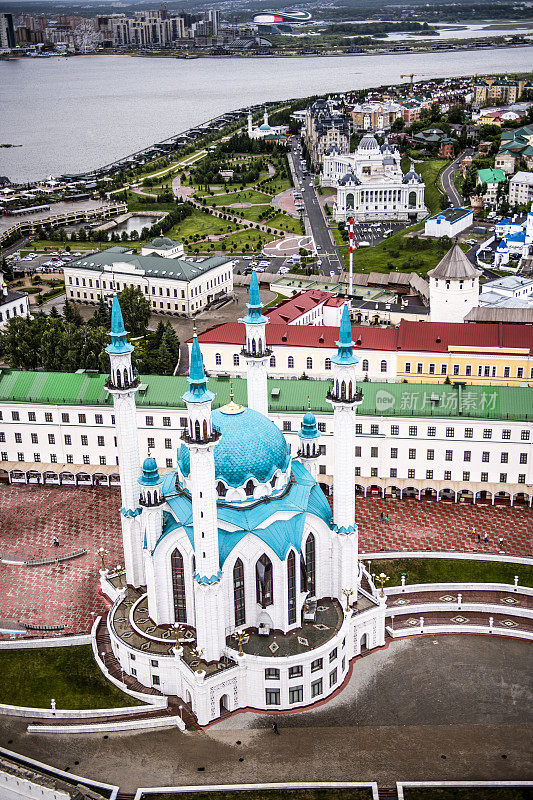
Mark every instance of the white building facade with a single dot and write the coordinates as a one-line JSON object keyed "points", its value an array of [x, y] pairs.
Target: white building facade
{"points": [[173, 285], [12, 304], [371, 185]]}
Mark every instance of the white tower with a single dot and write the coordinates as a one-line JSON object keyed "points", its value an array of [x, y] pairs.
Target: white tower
{"points": [[453, 287], [309, 448], [250, 122], [151, 522], [265, 117], [255, 350], [122, 384], [201, 438], [345, 398]]}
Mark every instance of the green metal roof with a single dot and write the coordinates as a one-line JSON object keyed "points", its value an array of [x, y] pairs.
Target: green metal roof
{"points": [[151, 265], [491, 175], [380, 399]]}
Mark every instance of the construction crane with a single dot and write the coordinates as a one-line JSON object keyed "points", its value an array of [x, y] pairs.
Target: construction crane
{"points": [[411, 75]]}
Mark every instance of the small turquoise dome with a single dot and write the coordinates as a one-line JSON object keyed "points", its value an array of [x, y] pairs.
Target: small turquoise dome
{"points": [[251, 446], [309, 429], [150, 472], [265, 127]]}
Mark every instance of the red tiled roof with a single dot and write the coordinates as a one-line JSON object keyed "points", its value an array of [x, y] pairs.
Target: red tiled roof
{"points": [[436, 337], [299, 304]]}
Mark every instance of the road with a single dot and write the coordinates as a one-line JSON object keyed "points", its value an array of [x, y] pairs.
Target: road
{"points": [[447, 180], [326, 250]]}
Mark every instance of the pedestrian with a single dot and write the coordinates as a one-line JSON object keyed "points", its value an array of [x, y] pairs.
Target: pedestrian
{"points": [[381, 516], [486, 538], [474, 533], [500, 542], [275, 728], [56, 541], [479, 538]]}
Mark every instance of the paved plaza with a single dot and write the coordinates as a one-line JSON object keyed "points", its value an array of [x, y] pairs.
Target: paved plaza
{"points": [[87, 518], [430, 708]]}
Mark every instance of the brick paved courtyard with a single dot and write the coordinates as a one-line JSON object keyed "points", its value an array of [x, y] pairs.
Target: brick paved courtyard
{"points": [[67, 593]]}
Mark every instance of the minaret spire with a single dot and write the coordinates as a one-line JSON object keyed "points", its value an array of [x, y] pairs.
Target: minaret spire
{"points": [[122, 385], [344, 397], [309, 436], [201, 438], [255, 350]]}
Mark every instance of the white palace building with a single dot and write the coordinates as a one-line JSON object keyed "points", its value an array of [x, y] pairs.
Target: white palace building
{"points": [[371, 185], [244, 588]]}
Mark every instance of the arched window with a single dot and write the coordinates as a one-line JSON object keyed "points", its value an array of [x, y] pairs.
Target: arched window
{"points": [[263, 581], [249, 488], [197, 430], [384, 366], [238, 593], [309, 363], [253, 346], [327, 363], [272, 361], [236, 360], [178, 586], [291, 585], [205, 429], [310, 564], [343, 390], [119, 379], [290, 362], [412, 199], [221, 489], [126, 382], [149, 498], [218, 359], [350, 390], [349, 201], [365, 364]]}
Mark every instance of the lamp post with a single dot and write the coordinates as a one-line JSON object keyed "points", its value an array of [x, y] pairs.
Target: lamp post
{"points": [[102, 552], [382, 578], [241, 638], [178, 630], [347, 593], [119, 576]]}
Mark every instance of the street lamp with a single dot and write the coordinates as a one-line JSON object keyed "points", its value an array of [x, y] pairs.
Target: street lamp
{"points": [[382, 578], [347, 593], [102, 552], [241, 638], [119, 575]]}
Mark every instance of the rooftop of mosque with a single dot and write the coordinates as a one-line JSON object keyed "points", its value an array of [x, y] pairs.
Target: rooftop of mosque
{"points": [[85, 388]]}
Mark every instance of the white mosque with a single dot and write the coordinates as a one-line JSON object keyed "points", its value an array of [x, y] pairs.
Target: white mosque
{"points": [[244, 588], [266, 131], [371, 185]]}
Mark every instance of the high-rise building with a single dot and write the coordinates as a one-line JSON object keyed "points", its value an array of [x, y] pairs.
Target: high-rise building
{"points": [[7, 32]]}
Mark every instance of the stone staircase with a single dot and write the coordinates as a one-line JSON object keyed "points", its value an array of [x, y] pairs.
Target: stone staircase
{"points": [[387, 793], [103, 642]]}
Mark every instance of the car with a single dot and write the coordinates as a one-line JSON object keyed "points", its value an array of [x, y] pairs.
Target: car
{"points": [[472, 241], [283, 270], [332, 274], [54, 253], [77, 253], [259, 269], [247, 258], [363, 244], [263, 264], [318, 247], [319, 262]]}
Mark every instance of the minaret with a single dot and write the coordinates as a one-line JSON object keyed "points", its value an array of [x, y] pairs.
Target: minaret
{"points": [[255, 350], [309, 449], [345, 398], [151, 523], [250, 122], [122, 385], [201, 438], [265, 117]]}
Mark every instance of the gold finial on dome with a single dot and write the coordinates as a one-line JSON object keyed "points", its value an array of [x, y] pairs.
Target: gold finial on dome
{"points": [[232, 407]]}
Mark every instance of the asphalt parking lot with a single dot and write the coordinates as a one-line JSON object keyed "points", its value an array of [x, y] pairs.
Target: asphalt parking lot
{"points": [[376, 232]]}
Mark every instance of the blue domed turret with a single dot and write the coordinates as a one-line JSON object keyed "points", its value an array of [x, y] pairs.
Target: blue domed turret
{"points": [[150, 473], [309, 429], [118, 333], [198, 391]]}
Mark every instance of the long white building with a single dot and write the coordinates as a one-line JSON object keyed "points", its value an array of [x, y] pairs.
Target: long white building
{"points": [[173, 284], [371, 185]]}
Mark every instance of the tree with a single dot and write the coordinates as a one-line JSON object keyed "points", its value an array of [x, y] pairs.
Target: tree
{"points": [[398, 125], [455, 115], [135, 310], [71, 313]]}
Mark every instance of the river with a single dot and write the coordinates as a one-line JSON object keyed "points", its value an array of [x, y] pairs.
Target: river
{"points": [[75, 114]]}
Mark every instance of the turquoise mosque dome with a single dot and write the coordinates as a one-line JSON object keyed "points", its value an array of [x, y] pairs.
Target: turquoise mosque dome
{"points": [[250, 446], [150, 473]]}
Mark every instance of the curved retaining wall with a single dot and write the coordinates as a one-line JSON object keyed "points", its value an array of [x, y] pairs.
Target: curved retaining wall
{"points": [[60, 641], [111, 727], [66, 713]]}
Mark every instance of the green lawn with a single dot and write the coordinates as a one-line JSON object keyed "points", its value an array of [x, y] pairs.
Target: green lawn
{"points": [[285, 223], [451, 570], [134, 202], [68, 674], [254, 239], [248, 196], [252, 214], [200, 224], [430, 171], [471, 793]]}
